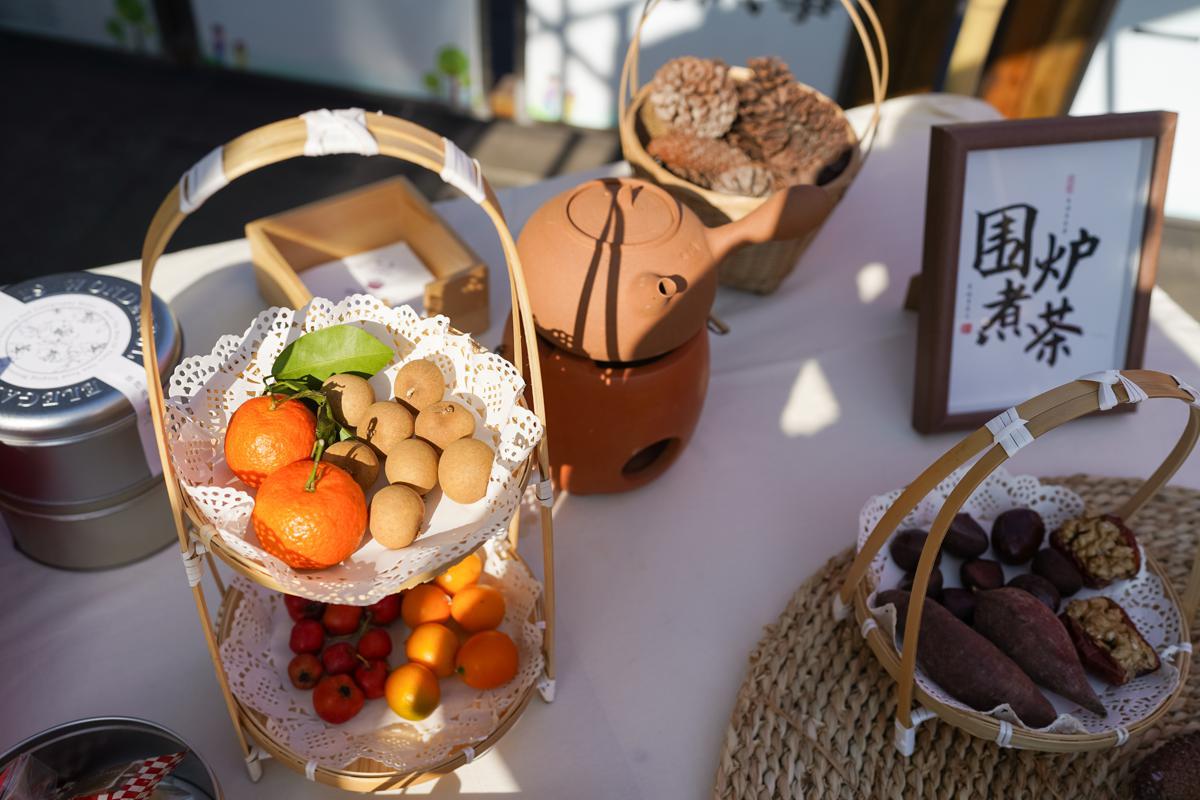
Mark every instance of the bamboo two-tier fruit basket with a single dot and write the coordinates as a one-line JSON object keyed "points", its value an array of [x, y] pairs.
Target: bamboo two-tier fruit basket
{"points": [[991, 446], [321, 133]]}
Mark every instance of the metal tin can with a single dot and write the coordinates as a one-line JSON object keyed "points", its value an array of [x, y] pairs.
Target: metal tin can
{"points": [[84, 747], [80, 480]]}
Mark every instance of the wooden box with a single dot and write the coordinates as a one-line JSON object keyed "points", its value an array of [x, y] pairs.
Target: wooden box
{"points": [[284, 245]]}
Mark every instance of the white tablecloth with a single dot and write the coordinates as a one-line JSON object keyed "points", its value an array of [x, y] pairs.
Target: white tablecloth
{"points": [[662, 592]]}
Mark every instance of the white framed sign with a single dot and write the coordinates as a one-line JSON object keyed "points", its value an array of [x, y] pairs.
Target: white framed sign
{"points": [[1041, 241]]}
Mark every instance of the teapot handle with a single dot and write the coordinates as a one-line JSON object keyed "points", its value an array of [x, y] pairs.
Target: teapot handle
{"points": [[787, 214]]}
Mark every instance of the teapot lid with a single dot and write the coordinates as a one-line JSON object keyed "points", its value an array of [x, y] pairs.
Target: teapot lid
{"points": [[624, 212]]}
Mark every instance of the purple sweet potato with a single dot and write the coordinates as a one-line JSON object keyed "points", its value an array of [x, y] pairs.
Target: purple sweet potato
{"points": [[1029, 633], [959, 602], [969, 667], [1172, 772]]}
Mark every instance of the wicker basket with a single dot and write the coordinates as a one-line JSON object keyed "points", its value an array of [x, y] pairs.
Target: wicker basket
{"points": [[756, 268], [1037, 417], [320, 133]]}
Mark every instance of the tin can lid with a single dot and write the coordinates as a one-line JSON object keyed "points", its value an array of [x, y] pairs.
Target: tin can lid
{"points": [[71, 358], [78, 749]]}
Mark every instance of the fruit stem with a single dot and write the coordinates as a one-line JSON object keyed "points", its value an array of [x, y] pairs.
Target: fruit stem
{"points": [[318, 449]]}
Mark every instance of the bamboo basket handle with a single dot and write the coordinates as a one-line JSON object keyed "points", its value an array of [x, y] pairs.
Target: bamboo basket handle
{"points": [[935, 473], [875, 49], [1045, 413], [392, 137]]}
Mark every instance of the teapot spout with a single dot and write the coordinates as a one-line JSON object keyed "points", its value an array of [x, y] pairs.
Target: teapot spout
{"points": [[788, 214]]}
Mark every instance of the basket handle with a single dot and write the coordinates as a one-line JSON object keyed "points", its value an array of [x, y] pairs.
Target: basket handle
{"points": [[347, 131], [1001, 438], [875, 50]]}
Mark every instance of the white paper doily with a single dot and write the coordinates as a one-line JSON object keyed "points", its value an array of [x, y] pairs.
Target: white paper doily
{"points": [[205, 391], [1143, 597], [255, 655]]}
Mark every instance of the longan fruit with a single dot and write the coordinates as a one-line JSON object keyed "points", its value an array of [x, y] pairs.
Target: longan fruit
{"points": [[444, 422], [384, 425], [419, 384], [357, 458], [349, 396], [413, 463], [464, 470], [397, 513]]}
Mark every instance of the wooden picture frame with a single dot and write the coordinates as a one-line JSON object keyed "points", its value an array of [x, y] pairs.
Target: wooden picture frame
{"points": [[950, 317]]}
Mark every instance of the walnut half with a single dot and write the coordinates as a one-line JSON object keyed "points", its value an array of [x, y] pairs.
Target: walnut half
{"points": [[1102, 548], [1109, 644]]}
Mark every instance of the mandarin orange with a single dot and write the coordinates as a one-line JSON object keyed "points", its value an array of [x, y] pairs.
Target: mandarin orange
{"points": [[266, 433], [487, 660], [461, 575], [412, 691], [310, 529], [433, 645], [425, 603], [478, 608]]}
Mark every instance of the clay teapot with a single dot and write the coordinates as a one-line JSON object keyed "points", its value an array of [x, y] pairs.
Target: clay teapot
{"points": [[619, 270]]}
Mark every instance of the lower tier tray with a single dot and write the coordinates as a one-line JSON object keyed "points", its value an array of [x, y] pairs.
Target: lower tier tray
{"points": [[312, 748]]}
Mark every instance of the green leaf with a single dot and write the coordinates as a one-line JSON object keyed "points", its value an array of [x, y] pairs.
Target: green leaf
{"points": [[432, 82], [133, 11], [316, 395], [344, 434], [115, 29], [341, 348], [452, 61], [290, 387]]}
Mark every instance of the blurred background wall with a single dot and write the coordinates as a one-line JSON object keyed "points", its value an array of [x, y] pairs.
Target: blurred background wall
{"points": [[574, 49], [130, 90], [1149, 58]]}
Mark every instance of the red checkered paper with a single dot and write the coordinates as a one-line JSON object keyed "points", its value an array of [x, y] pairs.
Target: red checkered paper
{"points": [[139, 779]]}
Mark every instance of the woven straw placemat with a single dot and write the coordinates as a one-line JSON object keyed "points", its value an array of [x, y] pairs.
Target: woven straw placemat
{"points": [[815, 716]]}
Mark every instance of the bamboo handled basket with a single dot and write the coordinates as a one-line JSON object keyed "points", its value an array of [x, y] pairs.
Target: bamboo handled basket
{"points": [[758, 268], [270, 144], [1037, 417]]}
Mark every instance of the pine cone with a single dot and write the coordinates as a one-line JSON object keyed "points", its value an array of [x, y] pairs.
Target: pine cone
{"points": [[762, 125], [770, 73], [800, 135], [819, 139], [695, 95], [761, 128], [701, 161], [750, 180], [747, 144]]}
